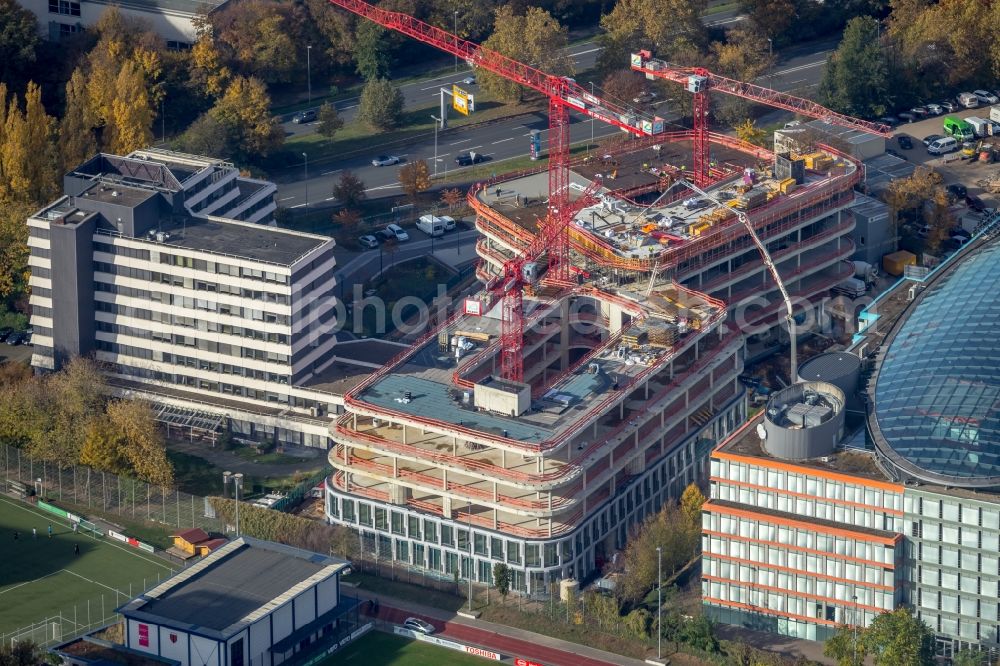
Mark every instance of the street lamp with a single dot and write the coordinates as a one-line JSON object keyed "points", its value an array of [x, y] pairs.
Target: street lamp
{"points": [[659, 602], [305, 171], [456, 40], [309, 81], [237, 480], [770, 61], [437, 121]]}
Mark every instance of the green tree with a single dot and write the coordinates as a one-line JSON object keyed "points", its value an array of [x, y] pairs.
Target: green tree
{"points": [[370, 52], [969, 657], [245, 109], [623, 85], [898, 638], [330, 121], [19, 42], [675, 536], [856, 80], [501, 579], [534, 37], [699, 633], [414, 178], [22, 653], [381, 105], [847, 646], [772, 18], [208, 136], [349, 190]]}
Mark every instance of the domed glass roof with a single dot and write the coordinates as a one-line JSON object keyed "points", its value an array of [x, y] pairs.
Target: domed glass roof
{"points": [[937, 395]]}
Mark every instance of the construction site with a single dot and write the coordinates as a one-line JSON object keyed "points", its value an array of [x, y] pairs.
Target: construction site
{"points": [[585, 384]]}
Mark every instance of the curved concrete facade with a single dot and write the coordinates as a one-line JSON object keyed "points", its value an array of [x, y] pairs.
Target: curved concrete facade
{"points": [[789, 414]]}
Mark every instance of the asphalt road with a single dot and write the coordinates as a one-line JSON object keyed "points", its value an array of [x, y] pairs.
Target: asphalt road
{"points": [[367, 264], [420, 93], [799, 70]]}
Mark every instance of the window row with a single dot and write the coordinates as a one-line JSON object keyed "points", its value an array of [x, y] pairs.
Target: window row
{"points": [[156, 277], [190, 362], [851, 515], [194, 304]]}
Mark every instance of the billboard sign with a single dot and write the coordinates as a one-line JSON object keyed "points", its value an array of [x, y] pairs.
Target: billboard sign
{"points": [[473, 307], [461, 101]]}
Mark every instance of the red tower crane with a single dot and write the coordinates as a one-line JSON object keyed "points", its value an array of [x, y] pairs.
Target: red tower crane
{"points": [[563, 94], [698, 81]]}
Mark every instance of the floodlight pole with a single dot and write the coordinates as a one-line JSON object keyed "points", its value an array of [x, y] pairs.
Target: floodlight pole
{"points": [[237, 480]]}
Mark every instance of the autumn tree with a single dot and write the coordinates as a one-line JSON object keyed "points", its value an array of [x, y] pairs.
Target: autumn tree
{"points": [[349, 190], [76, 129], [414, 178], [245, 110], [347, 221], [534, 37], [907, 196], [749, 132], [744, 55], [134, 422], [330, 121], [856, 80], [674, 534], [131, 112], [691, 502], [19, 42], [666, 27], [28, 157], [259, 38], [623, 85], [208, 135], [772, 18], [209, 73], [451, 197], [381, 105]]}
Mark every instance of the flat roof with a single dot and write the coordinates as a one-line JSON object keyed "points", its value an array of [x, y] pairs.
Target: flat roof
{"points": [[746, 442], [238, 239], [235, 585], [120, 194]]}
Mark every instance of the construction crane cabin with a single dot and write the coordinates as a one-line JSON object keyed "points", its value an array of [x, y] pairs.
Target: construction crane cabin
{"points": [[586, 383]]}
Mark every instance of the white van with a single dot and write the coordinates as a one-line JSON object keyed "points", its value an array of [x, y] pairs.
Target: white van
{"points": [[968, 100], [980, 126], [431, 225], [941, 146]]}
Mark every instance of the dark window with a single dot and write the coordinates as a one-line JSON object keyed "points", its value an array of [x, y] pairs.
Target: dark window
{"points": [[236, 653]]}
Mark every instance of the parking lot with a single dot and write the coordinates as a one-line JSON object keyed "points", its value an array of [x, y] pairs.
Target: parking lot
{"points": [[950, 166], [18, 353]]}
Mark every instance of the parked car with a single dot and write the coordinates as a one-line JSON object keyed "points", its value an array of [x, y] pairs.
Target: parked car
{"points": [[931, 138], [906, 117], [889, 120], [943, 145], [469, 80], [985, 97], [16, 338], [385, 160], [465, 159], [968, 100], [306, 116], [935, 109], [948, 106], [956, 191], [368, 241], [397, 232], [4, 332], [919, 111], [904, 141], [449, 222], [644, 97], [975, 203], [418, 625]]}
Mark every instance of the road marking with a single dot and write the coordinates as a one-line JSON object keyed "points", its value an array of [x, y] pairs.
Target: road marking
{"points": [[455, 143], [502, 140], [329, 199], [574, 55], [792, 83], [299, 206], [348, 108], [801, 67], [327, 173], [474, 147], [286, 199], [382, 187]]}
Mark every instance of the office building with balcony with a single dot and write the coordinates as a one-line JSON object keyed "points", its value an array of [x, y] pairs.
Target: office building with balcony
{"points": [[220, 322], [802, 539]]}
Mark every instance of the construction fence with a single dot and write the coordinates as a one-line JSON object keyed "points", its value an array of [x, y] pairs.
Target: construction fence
{"points": [[106, 493]]}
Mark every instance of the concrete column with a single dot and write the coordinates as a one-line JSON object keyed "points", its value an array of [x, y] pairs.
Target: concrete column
{"points": [[355, 417], [563, 335], [614, 318], [495, 492], [446, 507], [496, 519], [444, 479], [503, 458], [404, 434], [395, 467]]}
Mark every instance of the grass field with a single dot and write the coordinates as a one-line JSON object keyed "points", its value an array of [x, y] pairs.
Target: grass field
{"points": [[42, 577], [378, 649]]}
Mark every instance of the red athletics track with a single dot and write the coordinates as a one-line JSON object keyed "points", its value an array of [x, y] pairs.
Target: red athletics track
{"points": [[505, 645]]}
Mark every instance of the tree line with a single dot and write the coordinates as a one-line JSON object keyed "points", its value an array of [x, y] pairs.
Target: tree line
{"points": [[69, 417]]}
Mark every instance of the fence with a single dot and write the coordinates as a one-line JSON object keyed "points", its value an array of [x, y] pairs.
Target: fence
{"points": [[299, 492], [81, 618], [106, 493]]}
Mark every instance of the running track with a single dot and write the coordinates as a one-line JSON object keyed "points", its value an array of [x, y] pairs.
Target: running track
{"points": [[505, 645]]}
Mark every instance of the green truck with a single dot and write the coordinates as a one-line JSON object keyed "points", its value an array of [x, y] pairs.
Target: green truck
{"points": [[959, 129]]}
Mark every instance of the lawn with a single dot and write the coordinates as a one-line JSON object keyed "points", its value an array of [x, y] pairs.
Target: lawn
{"points": [[378, 649], [42, 577]]}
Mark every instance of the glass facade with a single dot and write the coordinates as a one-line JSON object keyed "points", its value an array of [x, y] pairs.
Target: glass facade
{"points": [[937, 395]]}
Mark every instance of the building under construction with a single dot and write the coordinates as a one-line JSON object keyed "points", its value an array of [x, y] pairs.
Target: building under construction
{"points": [[630, 369]]}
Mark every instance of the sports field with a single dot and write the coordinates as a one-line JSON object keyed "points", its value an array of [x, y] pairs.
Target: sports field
{"points": [[378, 649], [43, 577]]}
